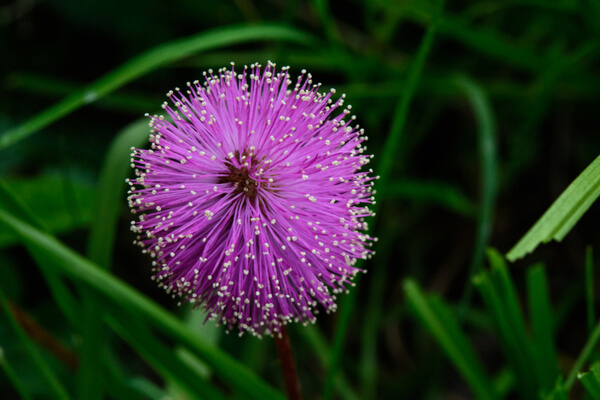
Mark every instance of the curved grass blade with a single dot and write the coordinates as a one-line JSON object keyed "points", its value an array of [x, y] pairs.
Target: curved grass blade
{"points": [[109, 193], [563, 214], [112, 289], [147, 62], [486, 143]]}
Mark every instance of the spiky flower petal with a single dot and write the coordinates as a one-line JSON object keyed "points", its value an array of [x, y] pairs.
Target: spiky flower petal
{"points": [[252, 197]]}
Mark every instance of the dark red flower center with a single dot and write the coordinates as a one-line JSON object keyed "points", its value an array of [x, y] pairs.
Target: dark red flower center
{"points": [[241, 180]]}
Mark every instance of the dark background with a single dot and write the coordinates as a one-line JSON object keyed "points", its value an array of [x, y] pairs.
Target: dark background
{"points": [[535, 62]]}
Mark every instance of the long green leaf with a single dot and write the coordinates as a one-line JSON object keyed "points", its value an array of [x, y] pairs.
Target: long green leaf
{"points": [[56, 388], [61, 293], [436, 316], [109, 193], [13, 377], [314, 340], [563, 214], [162, 359], [109, 200], [147, 62], [589, 287], [486, 143], [112, 289], [542, 324]]}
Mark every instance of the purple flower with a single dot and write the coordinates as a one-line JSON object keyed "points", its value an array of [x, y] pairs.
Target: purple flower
{"points": [[252, 199]]}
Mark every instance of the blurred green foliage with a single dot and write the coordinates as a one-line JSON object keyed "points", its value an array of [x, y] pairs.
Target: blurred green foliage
{"points": [[479, 113]]}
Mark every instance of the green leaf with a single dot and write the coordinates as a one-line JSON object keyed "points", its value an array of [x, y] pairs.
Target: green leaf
{"points": [[314, 340], [9, 200], [55, 87], [110, 197], [563, 214], [438, 319], [487, 149], [589, 287], [13, 377], [108, 202], [56, 388], [147, 62], [162, 359], [110, 288], [542, 324]]}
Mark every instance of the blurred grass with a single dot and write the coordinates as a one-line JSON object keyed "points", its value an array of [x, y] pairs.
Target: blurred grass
{"points": [[522, 75]]}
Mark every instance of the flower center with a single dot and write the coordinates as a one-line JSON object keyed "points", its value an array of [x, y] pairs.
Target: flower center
{"points": [[241, 180]]}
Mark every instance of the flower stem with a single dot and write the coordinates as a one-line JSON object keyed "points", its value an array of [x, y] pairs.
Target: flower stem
{"points": [[284, 349]]}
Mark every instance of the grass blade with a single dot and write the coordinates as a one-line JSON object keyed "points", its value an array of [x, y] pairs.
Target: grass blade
{"points": [[10, 201], [486, 143], [109, 193], [54, 87], [542, 324], [589, 287], [501, 300], [486, 42], [85, 272], [57, 389], [392, 144], [583, 356], [147, 62], [315, 340], [437, 193], [13, 377], [441, 323], [109, 197], [161, 358], [563, 214]]}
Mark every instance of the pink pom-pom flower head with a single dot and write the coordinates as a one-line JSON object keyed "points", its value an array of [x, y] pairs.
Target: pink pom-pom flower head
{"points": [[252, 197]]}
